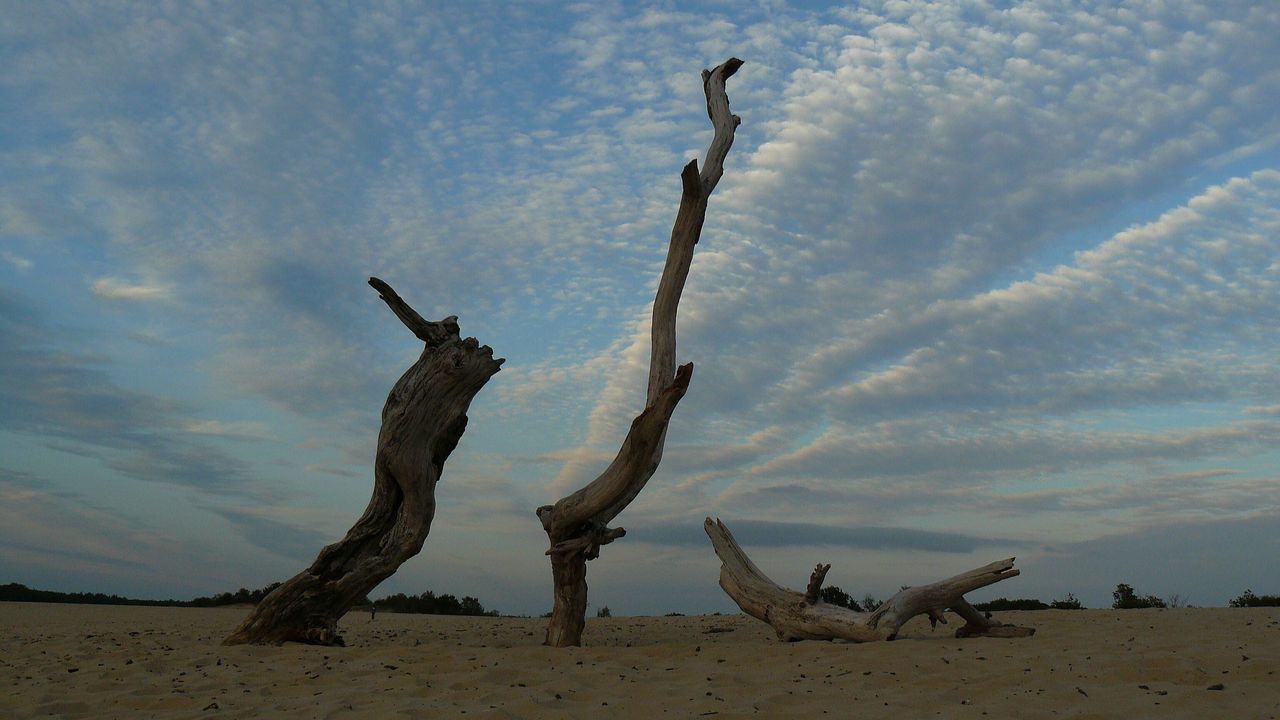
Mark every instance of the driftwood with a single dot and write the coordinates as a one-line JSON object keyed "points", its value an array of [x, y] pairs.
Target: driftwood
{"points": [[803, 616], [422, 421], [577, 525]]}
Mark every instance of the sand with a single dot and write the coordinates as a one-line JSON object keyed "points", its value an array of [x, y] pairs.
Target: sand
{"points": [[86, 661]]}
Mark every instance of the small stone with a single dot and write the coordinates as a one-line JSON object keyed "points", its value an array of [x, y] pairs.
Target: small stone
{"points": [[1216, 686]]}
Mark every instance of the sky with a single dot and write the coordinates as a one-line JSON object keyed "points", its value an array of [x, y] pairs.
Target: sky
{"points": [[982, 279]]}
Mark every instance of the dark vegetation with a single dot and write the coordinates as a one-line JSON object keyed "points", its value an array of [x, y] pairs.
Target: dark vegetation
{"points": [[1126, 598], [1248, 599], [14, 592], [426, 603], [1070, 602], [835, 596], [1000, 604]]}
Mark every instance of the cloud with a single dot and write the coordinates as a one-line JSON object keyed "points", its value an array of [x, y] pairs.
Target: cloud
{"points": [[116, 289], [238, 430], [266, 529], [789, 534], [65, 541], [17, 261], [71, 397], [964, 260]]}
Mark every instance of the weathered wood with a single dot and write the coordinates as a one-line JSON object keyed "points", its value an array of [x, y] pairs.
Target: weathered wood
{"points": [[422, 421], [577, 525], [801, 616], [815, 583]]}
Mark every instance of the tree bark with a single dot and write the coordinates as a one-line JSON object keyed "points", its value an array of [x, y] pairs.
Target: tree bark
{"points": [[422, 421], [802, 616], [577, 525]]}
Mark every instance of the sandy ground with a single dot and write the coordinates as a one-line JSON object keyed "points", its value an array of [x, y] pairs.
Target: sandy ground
{"points": [[86, 661]]}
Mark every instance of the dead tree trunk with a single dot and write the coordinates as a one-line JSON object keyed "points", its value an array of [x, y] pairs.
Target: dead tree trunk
{"points": [[422, 421], [577, 524], [803, 616]]}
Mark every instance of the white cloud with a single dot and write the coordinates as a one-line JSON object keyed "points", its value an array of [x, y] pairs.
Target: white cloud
{"points": [[116, 289], [240, 429], [17, 261]]}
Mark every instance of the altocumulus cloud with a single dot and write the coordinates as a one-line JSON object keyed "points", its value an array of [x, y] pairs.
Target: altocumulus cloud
{"points": [[969, 267]]}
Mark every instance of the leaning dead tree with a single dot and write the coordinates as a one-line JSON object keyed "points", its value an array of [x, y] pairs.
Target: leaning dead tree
{"points": [[577, 525], [422, 421], [803, 616]]}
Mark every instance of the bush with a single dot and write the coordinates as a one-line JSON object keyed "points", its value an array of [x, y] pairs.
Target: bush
{"points": [[604, 612], [1006, 604], [835, 596], [431, 604], [1070, 602], [1248, 599], [1126, 598]]}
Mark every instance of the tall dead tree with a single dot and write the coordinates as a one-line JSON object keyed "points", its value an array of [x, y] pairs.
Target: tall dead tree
{"points": [[577, 525], [422, 421], [803, 616]]}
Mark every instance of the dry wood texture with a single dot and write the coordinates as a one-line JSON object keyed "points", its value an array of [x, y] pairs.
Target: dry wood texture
{"points": [[577, 525], [422, 421], [802, 616]]}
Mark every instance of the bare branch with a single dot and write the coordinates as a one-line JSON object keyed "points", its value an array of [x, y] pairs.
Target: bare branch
{"points": [[815, 583], [432, 333]]}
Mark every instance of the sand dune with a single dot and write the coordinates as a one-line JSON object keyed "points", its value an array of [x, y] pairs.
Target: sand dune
{"points": [[84, 661]]}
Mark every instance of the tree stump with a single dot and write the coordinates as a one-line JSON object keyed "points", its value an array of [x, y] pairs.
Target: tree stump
{"points": [[422, 421]]}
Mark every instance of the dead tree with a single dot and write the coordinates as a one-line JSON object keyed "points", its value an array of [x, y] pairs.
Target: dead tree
{"points": [[577, 525], [803, 616], [422, 421]]}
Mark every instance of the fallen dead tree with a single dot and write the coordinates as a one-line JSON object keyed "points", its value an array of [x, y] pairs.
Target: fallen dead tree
{"points": [[803, 616]]}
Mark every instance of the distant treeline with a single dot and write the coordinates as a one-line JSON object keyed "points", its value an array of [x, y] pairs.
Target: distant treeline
{"points": [[429, 603], [426, 603], [1070, 602], [1124, 597], [14, 592]]}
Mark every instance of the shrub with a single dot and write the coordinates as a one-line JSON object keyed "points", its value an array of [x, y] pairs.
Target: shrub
{"points": [[835, 596], [1006, 604], [604, 612], [1070, 602], [1248, 599], [1126, 598]]}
